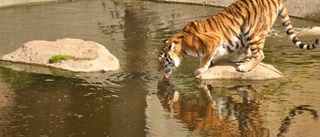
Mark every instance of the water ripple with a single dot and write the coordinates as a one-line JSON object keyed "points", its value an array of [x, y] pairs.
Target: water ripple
{"points": [[105, 81], [150, 77]]}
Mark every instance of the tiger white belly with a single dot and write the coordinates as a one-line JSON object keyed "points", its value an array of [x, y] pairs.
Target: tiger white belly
{"points": [[194, 54], [220, 52]]}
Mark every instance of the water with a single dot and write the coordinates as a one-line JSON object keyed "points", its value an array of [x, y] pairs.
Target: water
{"points": [[134, 100]]}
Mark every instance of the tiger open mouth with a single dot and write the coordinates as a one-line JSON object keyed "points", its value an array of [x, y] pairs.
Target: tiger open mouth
{"points": [[166, 75]]}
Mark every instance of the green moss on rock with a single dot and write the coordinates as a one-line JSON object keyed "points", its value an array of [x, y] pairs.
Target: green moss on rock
{"points": [[58, 58]]}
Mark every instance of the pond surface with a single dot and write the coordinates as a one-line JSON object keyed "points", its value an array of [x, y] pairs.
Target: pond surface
{"points": [[134, 101]]}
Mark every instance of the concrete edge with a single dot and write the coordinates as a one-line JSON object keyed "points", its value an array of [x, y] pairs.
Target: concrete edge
{"points": [[306, 9], [8, 4], [17, 3]]}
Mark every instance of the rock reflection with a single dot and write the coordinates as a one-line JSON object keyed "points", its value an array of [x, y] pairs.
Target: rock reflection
{"points": [[6, 103], [216, 111], [41, 104]]}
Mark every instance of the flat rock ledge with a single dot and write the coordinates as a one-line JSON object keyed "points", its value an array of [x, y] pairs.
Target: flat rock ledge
{"points": [[89, 56], [224, 69]]}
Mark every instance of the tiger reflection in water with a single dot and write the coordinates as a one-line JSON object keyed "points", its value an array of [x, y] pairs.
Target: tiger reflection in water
{"points": [[216, 114]]}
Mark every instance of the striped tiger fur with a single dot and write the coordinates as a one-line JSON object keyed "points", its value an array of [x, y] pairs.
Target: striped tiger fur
{"points": [[244, 24]]}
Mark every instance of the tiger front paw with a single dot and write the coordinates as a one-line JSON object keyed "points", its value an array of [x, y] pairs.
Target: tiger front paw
{"points": [[199, 71], [242, 68]]}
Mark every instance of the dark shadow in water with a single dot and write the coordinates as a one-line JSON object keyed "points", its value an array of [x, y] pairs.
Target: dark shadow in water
{"points": [[62, 106], [221, 111], [128, 112], [55, 106]]}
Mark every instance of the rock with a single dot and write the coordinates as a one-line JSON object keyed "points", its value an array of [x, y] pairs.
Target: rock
{"points": [[224, 69], [314, 31], [90, 56]]}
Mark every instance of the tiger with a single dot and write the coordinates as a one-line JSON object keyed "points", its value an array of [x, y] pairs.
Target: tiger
{"points": [[245, 24]]}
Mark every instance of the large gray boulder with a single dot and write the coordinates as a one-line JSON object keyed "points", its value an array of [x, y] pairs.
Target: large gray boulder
{"points": [[89, 56], [224, 69]]}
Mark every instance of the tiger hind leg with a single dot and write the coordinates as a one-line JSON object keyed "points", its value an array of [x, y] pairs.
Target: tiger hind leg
{"points": [[256, 58]]}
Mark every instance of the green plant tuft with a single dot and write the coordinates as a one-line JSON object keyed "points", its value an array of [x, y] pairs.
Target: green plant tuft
{"points": [[58, 58], [87, 58]]}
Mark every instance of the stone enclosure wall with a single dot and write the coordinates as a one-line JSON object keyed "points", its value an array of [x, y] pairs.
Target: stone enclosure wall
{"points": [[308, 9], [7, 3]]}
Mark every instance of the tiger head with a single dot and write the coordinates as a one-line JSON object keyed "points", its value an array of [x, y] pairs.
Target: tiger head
{"points": [[166, 64], [187, 42], [170, 55]]}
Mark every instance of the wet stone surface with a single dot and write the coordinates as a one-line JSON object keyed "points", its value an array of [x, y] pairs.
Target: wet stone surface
{"points": [[224, 69]]}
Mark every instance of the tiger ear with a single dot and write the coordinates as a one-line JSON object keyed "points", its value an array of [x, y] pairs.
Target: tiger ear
{"points": [[171, 48], [165, 41]]}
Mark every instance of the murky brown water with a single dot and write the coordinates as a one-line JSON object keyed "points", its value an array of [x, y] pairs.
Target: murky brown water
{"points": [[134, 101]]}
